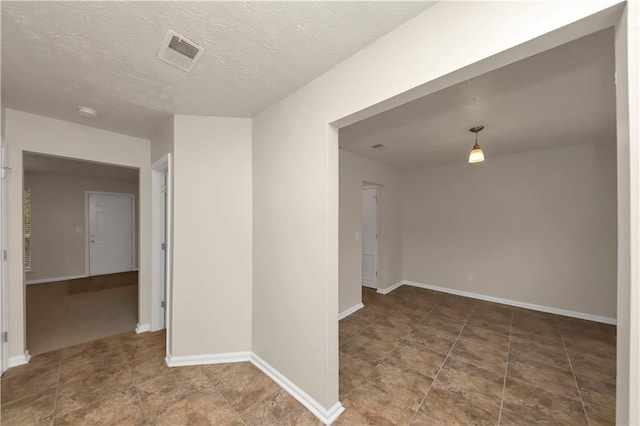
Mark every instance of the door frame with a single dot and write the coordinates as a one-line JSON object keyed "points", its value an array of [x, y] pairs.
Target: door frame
{"points": [[134, 254], [375, 261], [4, 306], [161, 257]]}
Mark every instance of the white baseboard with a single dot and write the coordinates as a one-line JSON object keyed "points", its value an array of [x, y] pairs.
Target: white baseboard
{"points": [[223, 358], [23, 359], [534, 307], [326, 416], [349, 311], [390, 288], [55, 279], [143, 328]]}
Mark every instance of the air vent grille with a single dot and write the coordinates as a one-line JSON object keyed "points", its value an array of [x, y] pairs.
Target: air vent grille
{"points": [[179, 51]]}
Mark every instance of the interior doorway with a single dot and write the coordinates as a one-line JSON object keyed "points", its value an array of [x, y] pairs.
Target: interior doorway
{"points": [[370, 236], [80, 226], [161, 243]]}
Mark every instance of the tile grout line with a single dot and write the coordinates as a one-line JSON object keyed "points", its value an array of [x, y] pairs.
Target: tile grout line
{"points": [[55, 399], [443, 362], [224, 398], [133, 382], [575, 379], [506, 369]]}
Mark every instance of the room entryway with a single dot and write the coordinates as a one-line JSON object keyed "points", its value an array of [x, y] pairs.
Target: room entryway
{"points": [[80, 251]]}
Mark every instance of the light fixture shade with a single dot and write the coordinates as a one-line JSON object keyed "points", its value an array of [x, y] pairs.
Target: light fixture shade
{"points": [[476, 155]]}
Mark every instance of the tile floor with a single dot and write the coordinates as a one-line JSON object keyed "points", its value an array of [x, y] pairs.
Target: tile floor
{"points": [[425, 358], [410, 357], [123, 380]]}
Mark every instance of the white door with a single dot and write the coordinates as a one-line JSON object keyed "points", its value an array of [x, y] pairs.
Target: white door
{"points": [[4, 352], [370, 237], [111, 233]]}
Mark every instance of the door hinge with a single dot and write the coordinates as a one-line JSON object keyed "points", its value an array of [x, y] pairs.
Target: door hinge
{"points": [[164, 189], [163, 246], [3, 171], [163, 304], [376, 273], [5, 337], [4, 255]]}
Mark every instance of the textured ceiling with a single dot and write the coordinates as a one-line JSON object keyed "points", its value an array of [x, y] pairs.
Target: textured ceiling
{"points": [[59, 55], [559, 97], [36, 163]]}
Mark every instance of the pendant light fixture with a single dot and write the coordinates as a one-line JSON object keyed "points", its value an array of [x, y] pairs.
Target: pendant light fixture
{"points": [[476, 155]]}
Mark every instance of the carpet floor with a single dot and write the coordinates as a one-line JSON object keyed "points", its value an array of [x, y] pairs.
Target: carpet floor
{"points": [[60, 314]]}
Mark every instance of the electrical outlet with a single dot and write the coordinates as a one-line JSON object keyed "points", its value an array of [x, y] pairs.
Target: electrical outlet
{"points": [[469, 276]]}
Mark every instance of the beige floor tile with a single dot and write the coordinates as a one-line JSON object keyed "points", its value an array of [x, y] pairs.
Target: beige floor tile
{"points": [[379, 407], [463, 378], [31, 410], [450, 407], [551, 355], [482, 355], [432, 338], [599, 415], [539, 405], [552, 379], [418, 358], [162, 392], [496, 341], [202, 408], [597, 392], [121, 408], [78, 391], [598, 366], [400, 381], [279, 408], [32, 382]]}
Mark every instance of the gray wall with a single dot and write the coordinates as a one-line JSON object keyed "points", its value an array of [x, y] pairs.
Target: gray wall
{"points": [[539, 227]]}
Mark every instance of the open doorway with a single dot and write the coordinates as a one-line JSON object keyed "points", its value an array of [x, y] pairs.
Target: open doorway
{"points": [[80, 251], [499, 262]]}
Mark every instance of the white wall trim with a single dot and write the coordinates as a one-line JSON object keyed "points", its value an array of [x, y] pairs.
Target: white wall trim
{"points": [[143, 328], [160, 258], [390, 288], [532, 306], [326, 416], [55, 279], [23, 359], [223, 358], [351, 310]]}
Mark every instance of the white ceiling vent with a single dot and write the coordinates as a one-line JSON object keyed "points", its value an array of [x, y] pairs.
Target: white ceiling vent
{"points": [[179, 51]]}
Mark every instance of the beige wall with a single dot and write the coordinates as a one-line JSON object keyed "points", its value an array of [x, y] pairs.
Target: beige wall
{"points": [[355, 170], [295, 157], [57, 212], [211, 297], [162, 141], [34, 133], [537, 227]]}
